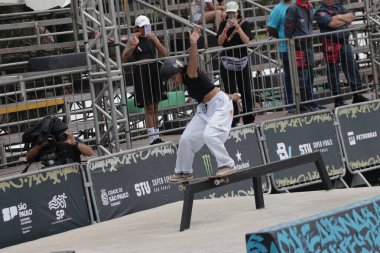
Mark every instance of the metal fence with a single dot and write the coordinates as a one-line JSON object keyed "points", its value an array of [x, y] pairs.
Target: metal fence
{"points": [[26, 98]]}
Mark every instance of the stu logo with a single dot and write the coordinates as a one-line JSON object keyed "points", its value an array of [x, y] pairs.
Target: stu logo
{"points": [[142, 188], [282, 152]]}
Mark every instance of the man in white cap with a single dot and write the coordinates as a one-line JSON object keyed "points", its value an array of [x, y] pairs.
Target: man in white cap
{"points": [[146, 77]]}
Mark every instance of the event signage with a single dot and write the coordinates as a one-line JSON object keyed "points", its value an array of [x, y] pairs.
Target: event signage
{"points": [[299, 135], [133, 181], [360, 135], [42, 203]]}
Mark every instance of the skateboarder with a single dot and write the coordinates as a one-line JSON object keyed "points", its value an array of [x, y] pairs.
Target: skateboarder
{"points": [[211, 123]]}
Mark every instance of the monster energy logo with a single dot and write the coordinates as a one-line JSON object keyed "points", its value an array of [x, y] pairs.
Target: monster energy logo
{"points": [[207, 164]]}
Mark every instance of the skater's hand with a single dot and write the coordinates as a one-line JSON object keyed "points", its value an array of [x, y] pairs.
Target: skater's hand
{"points": [[195, 35]]}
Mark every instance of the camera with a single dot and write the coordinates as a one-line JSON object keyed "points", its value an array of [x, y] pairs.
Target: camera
{"points": [[61, 137], [230, 15]]}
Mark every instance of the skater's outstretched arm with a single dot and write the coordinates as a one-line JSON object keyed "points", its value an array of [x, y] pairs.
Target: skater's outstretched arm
{"points": [[192, 69]]}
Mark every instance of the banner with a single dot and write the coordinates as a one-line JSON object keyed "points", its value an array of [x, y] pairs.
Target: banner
{"points": [[299, 135], [359, 126], [133, 181], [244, 147], [42, 203]]}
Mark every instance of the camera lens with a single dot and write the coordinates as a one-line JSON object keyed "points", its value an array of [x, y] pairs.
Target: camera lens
{"points": [[62, 137]]}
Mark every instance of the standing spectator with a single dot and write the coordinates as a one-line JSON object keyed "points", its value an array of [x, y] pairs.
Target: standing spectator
{"points": [[234, 67], [337, 51], [299, 22], [146, 77], [276, 28], [213, 13], [212, 122]]}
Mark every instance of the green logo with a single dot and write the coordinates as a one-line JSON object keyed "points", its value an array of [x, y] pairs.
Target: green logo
{"points": [[207, 164]]}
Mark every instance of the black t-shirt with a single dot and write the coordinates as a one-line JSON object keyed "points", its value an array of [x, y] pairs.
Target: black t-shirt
{"points": [[235, 40], [198, 87], [144, 50]]}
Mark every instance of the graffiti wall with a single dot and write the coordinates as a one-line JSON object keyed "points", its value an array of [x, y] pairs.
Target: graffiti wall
{"points": [[355, 228]]}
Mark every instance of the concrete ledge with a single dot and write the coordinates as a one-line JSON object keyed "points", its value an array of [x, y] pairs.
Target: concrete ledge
{"points": [[354, 228]]}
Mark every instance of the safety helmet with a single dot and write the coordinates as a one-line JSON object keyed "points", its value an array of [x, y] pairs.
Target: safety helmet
{"points": [[169, 68]]}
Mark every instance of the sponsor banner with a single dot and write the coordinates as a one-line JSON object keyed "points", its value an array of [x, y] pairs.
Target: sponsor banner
{"points": [[301, 135], [353, 228], [42, 203], [244, 147], [359, 131], [133, 181]]}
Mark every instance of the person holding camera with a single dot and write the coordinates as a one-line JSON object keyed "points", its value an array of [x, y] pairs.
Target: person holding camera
{"points": [[234, 67], [146, 78], [57, 150]]}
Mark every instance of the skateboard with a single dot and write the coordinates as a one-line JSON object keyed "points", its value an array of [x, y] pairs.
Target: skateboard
{"points": [[216, 180]]}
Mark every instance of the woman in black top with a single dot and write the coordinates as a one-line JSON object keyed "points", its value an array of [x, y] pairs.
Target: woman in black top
{"points": [[148, 90], [211, 123], [234, 67]]}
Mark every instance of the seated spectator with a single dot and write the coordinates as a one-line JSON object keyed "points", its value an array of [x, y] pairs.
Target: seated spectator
{"points": [[213, 13]]}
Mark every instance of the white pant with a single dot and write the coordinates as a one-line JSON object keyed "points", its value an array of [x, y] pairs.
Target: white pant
{"points": [[211, 125]]}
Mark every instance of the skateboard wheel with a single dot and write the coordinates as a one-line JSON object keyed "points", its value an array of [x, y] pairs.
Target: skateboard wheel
{"points": [[217, 182], [181, 188]]}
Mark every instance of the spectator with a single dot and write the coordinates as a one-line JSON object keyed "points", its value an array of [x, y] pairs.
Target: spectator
{"points": [[146, 77], [333, 17], [213, 13], [276, 28], [299, 22], [212, 122], [234, 67]]}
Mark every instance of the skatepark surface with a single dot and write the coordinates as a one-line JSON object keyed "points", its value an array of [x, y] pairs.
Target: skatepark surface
{"points": [[218, 225]]}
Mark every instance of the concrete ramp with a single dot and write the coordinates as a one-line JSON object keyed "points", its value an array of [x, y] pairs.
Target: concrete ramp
{"points": [[218, 225]]}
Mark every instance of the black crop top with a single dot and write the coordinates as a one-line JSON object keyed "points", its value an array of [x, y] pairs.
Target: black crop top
{"points": [[198, 87]]}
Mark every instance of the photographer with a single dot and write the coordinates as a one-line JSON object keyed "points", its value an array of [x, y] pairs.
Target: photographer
{"points": [[51, 144], [68, 150]]}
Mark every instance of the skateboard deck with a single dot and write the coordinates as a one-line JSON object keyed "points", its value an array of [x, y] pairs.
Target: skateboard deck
{"points": [[216, 180]]}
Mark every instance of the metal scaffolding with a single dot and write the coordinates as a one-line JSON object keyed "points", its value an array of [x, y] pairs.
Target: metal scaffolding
{"points": [[105, 74], [373, 19]]}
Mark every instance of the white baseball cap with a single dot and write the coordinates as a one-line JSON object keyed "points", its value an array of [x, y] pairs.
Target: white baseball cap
{"points": [[232, 6], [142, 21]]}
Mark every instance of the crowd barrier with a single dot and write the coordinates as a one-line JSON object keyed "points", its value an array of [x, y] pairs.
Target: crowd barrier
{"points": [[358, 130], [132, 181], [299, 135], [43, 203]]}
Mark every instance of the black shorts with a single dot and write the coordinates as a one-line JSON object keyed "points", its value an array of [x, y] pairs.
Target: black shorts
{"points": [[147, 85]]}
